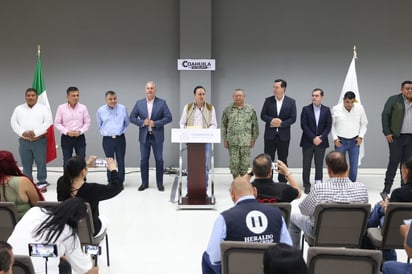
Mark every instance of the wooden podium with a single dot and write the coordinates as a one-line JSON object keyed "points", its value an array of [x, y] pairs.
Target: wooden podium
{"points": [[196, 140]]}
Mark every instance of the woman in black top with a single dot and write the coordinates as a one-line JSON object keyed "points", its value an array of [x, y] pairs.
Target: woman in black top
{"points": [[72, 184]]}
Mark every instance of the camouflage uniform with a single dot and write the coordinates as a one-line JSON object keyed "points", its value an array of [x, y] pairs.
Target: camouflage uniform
{"points": [[239, 128]]}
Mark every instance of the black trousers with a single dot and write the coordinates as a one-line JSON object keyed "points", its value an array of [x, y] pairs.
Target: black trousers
{"points": [[318, 153], [282, 149]]}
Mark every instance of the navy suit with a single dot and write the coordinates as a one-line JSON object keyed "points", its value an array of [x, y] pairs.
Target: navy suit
{"points": [[278, 138], [161, 116], [309, 131]]}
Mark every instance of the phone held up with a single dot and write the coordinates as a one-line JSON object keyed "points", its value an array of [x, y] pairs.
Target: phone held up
{"points": [[42, 250], [100, 162], [93, 249]]}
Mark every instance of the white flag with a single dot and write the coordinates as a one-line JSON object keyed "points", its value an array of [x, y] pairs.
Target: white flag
{"points": [[351, 84]]}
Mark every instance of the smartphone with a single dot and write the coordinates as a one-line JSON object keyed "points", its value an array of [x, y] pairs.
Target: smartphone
{"points": [[275, 166], [100, 162], [93, 249], [42, 250]]}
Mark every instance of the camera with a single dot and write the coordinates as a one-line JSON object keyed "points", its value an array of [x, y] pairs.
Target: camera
{"points": [[100, 162], [42, 250], [93, 249], [275, 166]]}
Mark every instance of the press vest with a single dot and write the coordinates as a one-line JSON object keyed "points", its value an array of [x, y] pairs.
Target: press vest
{"points": [[250, 221]]}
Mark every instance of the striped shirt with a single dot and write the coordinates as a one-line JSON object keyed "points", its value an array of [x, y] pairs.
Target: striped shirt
{"points": [[334, 190]]}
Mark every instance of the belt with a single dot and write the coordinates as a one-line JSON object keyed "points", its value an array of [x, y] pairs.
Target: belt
{"points": [[34, 138], [114, 136], [348, 138]]}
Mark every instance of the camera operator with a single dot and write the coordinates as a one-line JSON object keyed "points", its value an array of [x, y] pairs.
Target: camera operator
{"points": [[73, 184], [267, 190], [57, 226]]}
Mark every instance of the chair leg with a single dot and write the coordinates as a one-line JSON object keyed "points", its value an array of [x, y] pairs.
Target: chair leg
{"points": [[302, 243], [107, 250]]}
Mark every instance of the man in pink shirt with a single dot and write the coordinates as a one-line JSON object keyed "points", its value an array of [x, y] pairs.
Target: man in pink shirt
{"points": [[72, 120]]}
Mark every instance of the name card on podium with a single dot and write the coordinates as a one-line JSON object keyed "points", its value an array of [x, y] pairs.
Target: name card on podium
{"points": [[195, 135]]}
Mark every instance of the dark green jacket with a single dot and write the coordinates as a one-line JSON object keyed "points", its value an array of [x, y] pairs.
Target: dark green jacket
{"points": [[392, 115]]}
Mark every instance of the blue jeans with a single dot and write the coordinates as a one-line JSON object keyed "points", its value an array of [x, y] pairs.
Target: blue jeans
{"points": [[34, 151], [377, 216], [208, 267], [208, 151], [115, 148], [393, 267], [350, 146], [68, 144], [298, 223], [144, 160]]}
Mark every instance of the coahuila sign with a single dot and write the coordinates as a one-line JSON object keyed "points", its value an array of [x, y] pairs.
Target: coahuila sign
{"points": [[196, 64]]}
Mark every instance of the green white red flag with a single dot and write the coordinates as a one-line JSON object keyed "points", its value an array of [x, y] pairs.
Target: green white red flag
{"points": [[38, 84]]}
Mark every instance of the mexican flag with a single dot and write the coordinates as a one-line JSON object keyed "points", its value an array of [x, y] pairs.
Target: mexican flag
{"points": [[38, 84]]}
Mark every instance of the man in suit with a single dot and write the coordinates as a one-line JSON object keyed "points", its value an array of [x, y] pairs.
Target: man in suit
{"points": [[316, 123], [279, 113], [151, 114]]}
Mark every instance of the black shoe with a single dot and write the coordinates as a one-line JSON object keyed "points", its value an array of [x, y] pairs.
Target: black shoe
{"points": [[161, 188], [307, 190], [142, 187]]}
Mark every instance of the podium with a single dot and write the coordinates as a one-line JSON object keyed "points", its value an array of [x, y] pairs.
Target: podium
{"points": [[197, 140]]}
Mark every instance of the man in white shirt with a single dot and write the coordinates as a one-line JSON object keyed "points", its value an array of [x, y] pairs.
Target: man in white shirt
{"points": [[30, 122], [200, 114], [349, 123]]}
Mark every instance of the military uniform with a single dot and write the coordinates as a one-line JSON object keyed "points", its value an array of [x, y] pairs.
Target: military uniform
{"points": [[239, 129]]}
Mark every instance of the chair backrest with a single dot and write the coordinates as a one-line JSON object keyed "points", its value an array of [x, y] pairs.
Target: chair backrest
{"points": [[242, 257], [8, 217], [340, 225], [86, 228], [338, 260], [86, 225], [22, 265], [394, 216], [285, 208]]}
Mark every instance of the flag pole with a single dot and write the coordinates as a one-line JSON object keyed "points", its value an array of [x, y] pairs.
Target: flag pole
{"points": [[355, 54], [38, 50]]}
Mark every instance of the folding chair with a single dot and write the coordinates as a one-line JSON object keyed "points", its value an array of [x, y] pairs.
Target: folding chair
{"points": [[388, 237], [285, 208], [242, 257], [339, 225], [8, 217], [340, 260]]}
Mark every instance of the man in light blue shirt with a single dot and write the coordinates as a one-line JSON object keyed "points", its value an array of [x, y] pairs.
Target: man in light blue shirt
{"points": [[247, 221], [112, 121]]}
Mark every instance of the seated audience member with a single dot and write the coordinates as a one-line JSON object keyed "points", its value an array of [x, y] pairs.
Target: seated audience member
{"points": [[236, 224], [15, 186], [72, 184], [337, 189], [393, 267], [402, 194], [283, 259], [58, 226], [267, 190], [6, 258]]}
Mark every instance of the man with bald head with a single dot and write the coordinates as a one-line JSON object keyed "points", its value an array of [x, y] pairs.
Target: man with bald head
{"points": [[247, 221], [239, 131], [151, 114], [337, 189]]}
